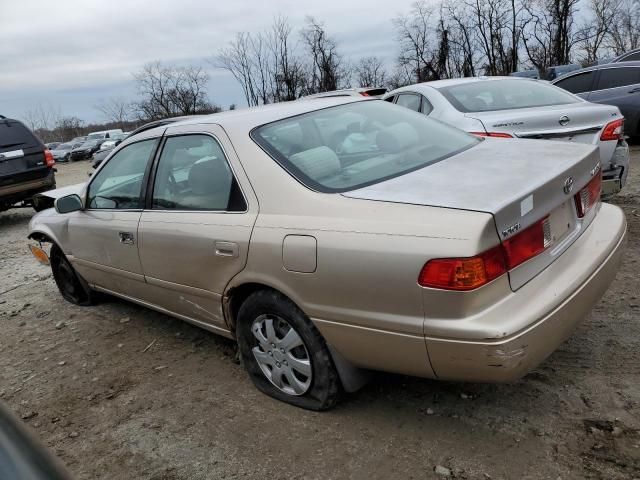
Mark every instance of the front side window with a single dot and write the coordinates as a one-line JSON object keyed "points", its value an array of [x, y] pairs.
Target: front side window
{"points": [[410, 101], [193, 174], [618, 77], [345, 147], [118, 185], [492, 95], [577, 83]]}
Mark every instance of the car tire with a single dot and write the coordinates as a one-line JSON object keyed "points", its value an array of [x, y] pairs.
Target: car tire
{"points": [[321, 389], [72, 286]]}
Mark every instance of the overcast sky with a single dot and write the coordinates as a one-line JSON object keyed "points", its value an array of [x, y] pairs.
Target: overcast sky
{"points": [[70, 54]]}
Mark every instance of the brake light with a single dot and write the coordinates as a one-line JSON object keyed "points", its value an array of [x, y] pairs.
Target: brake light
{"points": [[48, 158], [590, 195], [613, 130], [470, 273], [527, 244], [491, 134], [463, 273], [364, 94]]}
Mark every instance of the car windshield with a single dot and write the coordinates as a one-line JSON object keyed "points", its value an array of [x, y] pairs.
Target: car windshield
{"points": [[64, 146], [95, 136], [89, 143], [350, 146], [491, 95]]}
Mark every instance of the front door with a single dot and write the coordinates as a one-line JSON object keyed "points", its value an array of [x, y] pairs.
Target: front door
{"points": [[104, 236], [194, 232]]}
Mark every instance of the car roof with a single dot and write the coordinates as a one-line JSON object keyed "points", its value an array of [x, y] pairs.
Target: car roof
{"points": [[603, 66], [249, 118], [459, 81]]}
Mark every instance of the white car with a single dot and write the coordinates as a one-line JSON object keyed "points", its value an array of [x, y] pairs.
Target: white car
{"points": [[511, 107]]}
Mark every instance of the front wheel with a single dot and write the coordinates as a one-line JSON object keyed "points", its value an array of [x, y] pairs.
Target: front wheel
{"points": [[284, 354], [72, 287]]}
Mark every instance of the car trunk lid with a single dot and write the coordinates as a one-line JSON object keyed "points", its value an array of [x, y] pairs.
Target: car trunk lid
{"points": [[519, 183], [576, 122]]}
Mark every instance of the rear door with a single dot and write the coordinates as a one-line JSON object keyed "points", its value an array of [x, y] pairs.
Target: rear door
{"points": [[620, 86], [195, 229], [104, 236], [21, 155], [580, 84]]}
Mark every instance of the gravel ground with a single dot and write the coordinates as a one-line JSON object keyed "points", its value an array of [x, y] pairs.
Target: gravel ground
{"points": [[184, 409]]}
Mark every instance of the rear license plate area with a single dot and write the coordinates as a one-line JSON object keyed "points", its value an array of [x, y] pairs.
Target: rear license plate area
{"points": [[562, 221]]}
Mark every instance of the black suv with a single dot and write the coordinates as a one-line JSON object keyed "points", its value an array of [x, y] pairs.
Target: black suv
{"points": [[26, 166]]}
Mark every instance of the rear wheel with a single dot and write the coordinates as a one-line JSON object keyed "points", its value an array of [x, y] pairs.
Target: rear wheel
{"points": [[72, 287], [284, 354]]}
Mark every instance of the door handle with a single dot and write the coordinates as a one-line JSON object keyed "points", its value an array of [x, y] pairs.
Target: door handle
{"points": [[126, 238], [226, 249]]}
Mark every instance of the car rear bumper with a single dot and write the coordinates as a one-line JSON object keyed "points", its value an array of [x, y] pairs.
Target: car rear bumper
{"points": [[615, 176], [22, 190], [558, 299]]}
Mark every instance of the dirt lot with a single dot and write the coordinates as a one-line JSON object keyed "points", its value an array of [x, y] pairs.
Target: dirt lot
{"points": [[184, 409]]}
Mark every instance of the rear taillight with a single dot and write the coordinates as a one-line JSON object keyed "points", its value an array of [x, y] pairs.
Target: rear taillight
{"points": [[364, 94], [589, 195], [463, 273], [48, 159], [472, 272], [528, 243], [613, 130], [491, 134]]}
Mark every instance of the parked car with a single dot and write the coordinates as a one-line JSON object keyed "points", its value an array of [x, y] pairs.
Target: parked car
{"points": [[508, 107], [343, 235], [630, 56], [62, 152], [26, 166], [99, 156], [558, 70], [526, 74], [104, 134], [52, 145], [113, 141], [611, 84], [350, 92], [84, 150]]}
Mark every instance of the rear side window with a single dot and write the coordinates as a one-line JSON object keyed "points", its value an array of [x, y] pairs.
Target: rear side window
{"points": [[618, 77], [410, 101], [492, 95], [193, 174], [577, 83], [14, 135], [632, 58], [346, 147]]}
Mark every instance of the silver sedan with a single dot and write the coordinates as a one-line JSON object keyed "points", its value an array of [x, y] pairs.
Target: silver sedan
{"points": [[508, 107]]}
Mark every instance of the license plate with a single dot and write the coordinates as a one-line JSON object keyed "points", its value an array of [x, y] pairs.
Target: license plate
{"points": [[8, 167], [561, 221]]}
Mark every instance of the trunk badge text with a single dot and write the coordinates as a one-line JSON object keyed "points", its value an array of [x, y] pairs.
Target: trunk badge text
{"points": [[568, 185], [564, 120], [511, 230]]}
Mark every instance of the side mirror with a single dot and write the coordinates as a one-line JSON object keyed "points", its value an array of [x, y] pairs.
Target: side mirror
{"points": [[68, 204]]}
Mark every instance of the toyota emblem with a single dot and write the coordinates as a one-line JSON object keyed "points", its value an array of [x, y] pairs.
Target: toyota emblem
{"points": [[564, 120], [568, 185]]}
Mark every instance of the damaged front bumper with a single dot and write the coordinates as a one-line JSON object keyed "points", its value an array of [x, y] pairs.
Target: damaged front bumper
{"points": [[555, 302], [615, 176]]}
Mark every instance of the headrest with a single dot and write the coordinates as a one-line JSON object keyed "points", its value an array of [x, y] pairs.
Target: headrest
{"points": [[317, 162], [209, 176], [397, 137]]}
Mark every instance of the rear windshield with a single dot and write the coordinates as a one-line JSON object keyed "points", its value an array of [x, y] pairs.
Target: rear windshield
{"points": [[14, 134], [491, 95], [350, 146]]}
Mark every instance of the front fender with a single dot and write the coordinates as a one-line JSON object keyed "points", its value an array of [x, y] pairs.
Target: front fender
{"points": [[49, 226]]}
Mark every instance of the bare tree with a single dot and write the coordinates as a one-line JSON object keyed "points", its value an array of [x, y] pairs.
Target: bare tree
{"points": [[414, 34], [68, 127], [115, 109], [549, 34], [239, 58], [171, 91], [288, 70], [625, 28], [326, 71], [370, 72]]}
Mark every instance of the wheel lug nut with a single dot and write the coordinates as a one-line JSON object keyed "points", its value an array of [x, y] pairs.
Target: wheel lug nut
{"points": [[273, 345], [270, 353], [282, 350], [278, 364]]}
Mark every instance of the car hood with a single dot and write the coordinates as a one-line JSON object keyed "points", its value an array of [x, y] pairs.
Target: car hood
{"points": [[63, 191]]}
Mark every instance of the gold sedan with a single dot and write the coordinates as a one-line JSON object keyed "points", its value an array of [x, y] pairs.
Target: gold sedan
{"points": [[335, 236]]}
